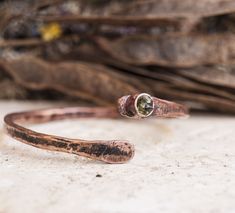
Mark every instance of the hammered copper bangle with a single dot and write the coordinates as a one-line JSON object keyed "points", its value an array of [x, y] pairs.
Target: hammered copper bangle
{"points": [[110, 151]]}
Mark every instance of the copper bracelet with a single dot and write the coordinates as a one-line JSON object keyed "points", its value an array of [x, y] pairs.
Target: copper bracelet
{"points": [[109, 151]]}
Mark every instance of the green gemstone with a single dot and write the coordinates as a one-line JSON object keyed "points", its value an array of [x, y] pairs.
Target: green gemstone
{"points": [[144, 105]]}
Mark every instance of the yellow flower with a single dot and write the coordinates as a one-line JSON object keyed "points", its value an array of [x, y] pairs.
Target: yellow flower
{"points": [[50, 31]]}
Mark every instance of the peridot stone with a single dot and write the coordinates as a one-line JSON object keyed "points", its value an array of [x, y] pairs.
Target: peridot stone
{"points": [[144, 105]]}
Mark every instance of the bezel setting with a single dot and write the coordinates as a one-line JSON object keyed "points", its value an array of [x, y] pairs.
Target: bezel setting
{"points": [[149, 101]]}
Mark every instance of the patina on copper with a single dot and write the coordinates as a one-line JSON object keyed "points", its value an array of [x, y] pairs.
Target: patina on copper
{"points": [[109, 151]]}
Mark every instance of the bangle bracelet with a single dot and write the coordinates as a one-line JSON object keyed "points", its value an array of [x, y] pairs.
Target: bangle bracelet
{"points": [[109, 151]]}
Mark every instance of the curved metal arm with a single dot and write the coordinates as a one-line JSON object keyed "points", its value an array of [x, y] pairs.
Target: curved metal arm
{"points": [[111, 151]]}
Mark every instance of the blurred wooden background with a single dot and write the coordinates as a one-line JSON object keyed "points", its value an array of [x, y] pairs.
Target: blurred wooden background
{"points": [[95, 51]]}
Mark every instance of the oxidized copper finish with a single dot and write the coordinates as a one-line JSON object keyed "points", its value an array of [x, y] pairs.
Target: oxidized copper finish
{"points": [[113, 151], [110, 151], [162, 108]]}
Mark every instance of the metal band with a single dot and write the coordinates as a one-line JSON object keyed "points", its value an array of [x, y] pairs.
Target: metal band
{"points": [[113, 151], [109, 151]]}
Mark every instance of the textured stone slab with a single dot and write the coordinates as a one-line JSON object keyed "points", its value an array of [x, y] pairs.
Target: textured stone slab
{"points": [[180, 166]]}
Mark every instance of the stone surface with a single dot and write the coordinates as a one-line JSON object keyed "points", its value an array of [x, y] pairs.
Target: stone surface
{"points": [[180, 166]]}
